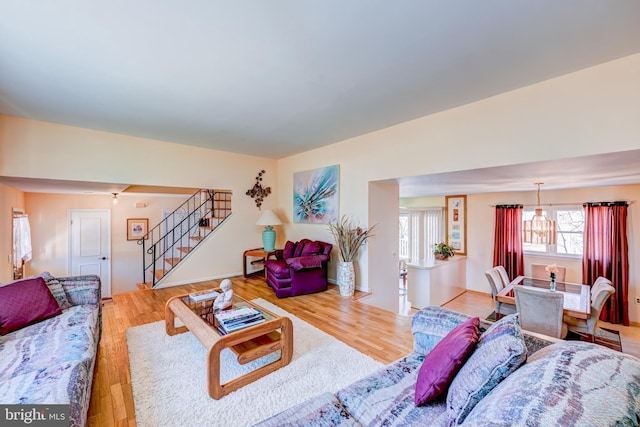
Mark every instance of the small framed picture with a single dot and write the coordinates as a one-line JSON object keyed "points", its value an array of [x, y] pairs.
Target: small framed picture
{"points": [[456, 223], [137, 228]]}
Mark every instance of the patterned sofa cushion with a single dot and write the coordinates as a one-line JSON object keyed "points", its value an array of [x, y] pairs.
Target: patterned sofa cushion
{"points": [[52, 361], [500, 351], [51, 385], [37, 352], [59, 294], [386, 397], [320, 411], [77, 315], [568, 383], [431, 324]]}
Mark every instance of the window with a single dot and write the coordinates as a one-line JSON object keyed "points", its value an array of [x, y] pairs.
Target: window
{"points": [[569, 231], [404, 236], [420, 230]]}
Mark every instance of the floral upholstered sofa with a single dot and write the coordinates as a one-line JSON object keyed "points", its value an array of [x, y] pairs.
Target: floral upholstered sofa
{"points": [[506, 378], [49, 333]]}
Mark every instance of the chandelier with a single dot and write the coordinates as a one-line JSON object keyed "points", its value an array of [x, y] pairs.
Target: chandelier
{"points": [[539, 229]]}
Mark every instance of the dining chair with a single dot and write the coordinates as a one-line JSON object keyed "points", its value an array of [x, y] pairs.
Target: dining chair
{"points": [[501, 308], [588, 327], [596, 285], [538, 271], [541, 311], [503, 275]]}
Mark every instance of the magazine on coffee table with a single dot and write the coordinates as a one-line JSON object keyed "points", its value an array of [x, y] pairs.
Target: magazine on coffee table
{"points": [[238, 318]]}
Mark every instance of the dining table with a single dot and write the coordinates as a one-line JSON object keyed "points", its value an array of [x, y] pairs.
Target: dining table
{"points": [[577, 297]]}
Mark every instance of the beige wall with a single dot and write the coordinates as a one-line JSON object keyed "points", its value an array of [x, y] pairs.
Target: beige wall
{"points": [[584, 113], [384, 245], [589, 112], [219, 256], [423, 202], [36, 149], [50, 231], [9, 199], [86, 155]]}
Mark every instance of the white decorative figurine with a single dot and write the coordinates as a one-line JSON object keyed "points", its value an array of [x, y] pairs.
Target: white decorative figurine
{"points": [[224, 300]]}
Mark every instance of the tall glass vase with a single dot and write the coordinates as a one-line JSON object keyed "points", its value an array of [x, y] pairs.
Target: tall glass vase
{"points": [[346, 278], [552, 285]]}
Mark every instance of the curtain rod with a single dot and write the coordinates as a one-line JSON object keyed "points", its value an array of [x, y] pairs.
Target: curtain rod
{"points": [[562, 204]]}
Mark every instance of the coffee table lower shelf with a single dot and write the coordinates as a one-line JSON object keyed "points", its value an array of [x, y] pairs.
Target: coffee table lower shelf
{"points": [[248, 344]]}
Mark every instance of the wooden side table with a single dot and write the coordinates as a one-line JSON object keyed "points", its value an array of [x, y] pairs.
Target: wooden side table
{"points": [[259, 253]]}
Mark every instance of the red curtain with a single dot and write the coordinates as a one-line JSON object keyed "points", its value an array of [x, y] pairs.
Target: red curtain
{"points": [[507, 244], [606, 254]]}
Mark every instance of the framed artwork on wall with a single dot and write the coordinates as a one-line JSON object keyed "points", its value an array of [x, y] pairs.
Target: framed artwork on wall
{"points": [[137, 228], [456, 223], [315, 195]]}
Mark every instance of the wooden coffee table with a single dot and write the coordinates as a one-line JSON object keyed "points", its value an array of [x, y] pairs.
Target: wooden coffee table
{"points": [[251, 343]]}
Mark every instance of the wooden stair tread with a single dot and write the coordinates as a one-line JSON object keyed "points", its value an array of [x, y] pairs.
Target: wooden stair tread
{"points": [[206, 206], [172, 261], [160, 273]]}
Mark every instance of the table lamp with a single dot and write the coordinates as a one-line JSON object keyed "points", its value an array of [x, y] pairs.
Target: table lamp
{"points": [[268, 218]]}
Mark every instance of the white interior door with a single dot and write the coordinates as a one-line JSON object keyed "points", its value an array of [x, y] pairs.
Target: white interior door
{"points": [[90, 245]]}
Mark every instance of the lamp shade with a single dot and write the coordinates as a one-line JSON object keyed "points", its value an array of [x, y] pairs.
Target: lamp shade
{"points": [[268, 218]]}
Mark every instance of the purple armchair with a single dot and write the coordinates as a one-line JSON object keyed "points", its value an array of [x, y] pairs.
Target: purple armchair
{"points": [[299, 269]]}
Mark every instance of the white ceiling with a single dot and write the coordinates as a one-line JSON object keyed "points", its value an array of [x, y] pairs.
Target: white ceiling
{"points": [[588, 171], [275, 78]]}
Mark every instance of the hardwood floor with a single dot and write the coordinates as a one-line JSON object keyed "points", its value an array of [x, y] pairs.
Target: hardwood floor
{"points": [[381, 334], [376, 332]]}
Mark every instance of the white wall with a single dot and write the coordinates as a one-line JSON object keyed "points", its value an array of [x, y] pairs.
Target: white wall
{"points": [[589, 112]]}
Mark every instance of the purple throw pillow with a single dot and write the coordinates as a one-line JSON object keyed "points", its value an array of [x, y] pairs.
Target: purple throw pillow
{"points": [[301, 262], [24, 303], [442, 363], [312, 248], [300, 247], [288, 250]]}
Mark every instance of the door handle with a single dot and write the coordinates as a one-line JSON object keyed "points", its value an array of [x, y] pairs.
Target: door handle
{"points": [[103, 258]]}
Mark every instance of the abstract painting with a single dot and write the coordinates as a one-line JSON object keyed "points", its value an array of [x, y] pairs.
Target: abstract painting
{"points": [[315, 195]]}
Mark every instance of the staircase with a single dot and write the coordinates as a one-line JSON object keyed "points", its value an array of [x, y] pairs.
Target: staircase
{"points": [[169, 243]]}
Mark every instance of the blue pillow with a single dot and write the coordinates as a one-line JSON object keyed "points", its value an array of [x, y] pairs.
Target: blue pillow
{"points": [[500, 351]]}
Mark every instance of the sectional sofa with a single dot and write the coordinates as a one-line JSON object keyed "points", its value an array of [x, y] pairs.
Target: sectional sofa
{"points": [[49, 334], [507, 377]]}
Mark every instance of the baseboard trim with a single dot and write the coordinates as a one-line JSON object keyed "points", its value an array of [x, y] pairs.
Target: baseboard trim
{"points": [[471, 291], [198, 280]]}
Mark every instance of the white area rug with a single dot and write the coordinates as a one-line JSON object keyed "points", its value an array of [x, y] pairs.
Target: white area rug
{"points": [[168, 376]]}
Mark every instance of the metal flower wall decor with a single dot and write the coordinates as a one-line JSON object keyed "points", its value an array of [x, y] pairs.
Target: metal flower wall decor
{"points": [[257, 191]]}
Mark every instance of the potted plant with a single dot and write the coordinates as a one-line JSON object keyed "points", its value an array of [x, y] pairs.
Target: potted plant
{"points": [[443, 251], [349, 238]]}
